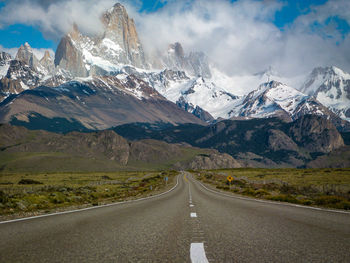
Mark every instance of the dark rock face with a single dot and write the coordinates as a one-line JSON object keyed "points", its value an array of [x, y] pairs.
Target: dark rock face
{"points": [[316, 134], [339, 158], [8, 87], [151, 150], [256, 142], [213, 161], [20, 71], [278, 140]]}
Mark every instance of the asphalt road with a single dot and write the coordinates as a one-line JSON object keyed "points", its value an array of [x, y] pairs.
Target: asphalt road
{"points": [[189, 223]]}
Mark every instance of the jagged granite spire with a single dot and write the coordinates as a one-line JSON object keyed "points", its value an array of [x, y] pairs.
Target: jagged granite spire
{"points": [[118, 45], [68, 55], [47, 62], [26, 55], [195, 63], [121, 30]]}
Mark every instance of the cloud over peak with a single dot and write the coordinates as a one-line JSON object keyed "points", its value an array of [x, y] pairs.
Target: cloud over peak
{"points": [[239, 37]]}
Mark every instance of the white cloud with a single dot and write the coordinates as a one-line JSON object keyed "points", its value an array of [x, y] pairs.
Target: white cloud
{"points": [[39, 52], [11, 51], [238, 37], [55, 18], [241, 38]]}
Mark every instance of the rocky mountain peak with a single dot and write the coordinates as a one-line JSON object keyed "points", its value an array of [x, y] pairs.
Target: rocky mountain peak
{"points": [[316, 133], [69, 57], [327, 71], [47, 62], [74, 33], [270, 85], [46, 56], [117, 46], [194, 64], [176, 50], [26, 55], [330, 86], [121, 30], [4, 57]]}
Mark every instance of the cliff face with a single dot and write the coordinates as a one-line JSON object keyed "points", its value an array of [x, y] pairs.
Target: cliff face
{"points": [[118, 45], [316, 134], [47, 62], [194, 64], [68, 56], [26, 55], [102, 148], [122, 31]]}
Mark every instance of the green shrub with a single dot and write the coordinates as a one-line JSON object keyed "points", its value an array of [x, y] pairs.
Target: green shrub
{"points": [[249, 191], [3, 197], [305, 202], [328, 200], [261, 192], [284, 198], [29, 181], [344, 205], [240, 183]]}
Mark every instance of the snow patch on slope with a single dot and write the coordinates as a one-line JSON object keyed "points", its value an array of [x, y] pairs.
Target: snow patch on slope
{"points": [[330, 86]]}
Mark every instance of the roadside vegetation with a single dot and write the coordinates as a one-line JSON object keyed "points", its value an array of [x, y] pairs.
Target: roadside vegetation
{"points": [[314, 187], [23, 194]]}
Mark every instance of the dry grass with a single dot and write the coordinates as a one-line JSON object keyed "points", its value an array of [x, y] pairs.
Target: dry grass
{"points": [[44, 192], [320, 187]]}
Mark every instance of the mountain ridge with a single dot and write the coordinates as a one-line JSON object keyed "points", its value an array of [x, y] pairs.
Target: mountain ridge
{"points": [[48, 87]]}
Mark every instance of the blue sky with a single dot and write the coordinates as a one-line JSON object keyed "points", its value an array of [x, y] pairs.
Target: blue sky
{"points": [[291, 35], [16, 34]]}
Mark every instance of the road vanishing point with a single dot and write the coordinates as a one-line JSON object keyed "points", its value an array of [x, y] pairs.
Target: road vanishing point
{"points": [[189, 223]]}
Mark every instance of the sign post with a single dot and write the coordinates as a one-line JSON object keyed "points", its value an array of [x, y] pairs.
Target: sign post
{"points": [[229, 179]]}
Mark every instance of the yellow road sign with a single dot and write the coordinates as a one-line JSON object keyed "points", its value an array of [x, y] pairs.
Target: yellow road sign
{"points": [[229, 178]]}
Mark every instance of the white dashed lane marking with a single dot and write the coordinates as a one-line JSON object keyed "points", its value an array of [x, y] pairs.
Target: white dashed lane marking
{"points": [[197, 253]]}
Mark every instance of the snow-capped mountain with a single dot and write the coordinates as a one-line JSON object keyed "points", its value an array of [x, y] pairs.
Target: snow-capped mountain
{"points": [[118, 46], [194, 94], [331, 87], [5, 59], [274, 99], [187, 80], [98, 102]]}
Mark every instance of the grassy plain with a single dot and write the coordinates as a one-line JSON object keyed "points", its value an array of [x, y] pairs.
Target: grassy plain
{"points": [[33, 192], [317, 187]]}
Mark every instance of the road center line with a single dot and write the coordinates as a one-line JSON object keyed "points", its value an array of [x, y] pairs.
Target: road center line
{"points": [[197, 253]]}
